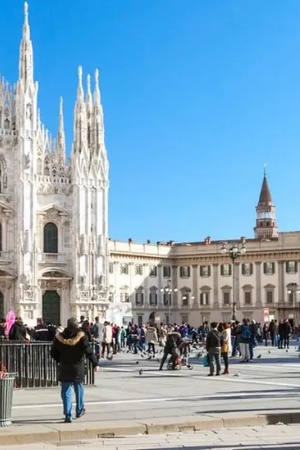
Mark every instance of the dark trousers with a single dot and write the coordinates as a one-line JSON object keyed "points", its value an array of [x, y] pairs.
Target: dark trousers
{"points": [[164, 358], [272, 335], [151, 348], [106, 347], [286, 342], [214, 357], [225, 359]]}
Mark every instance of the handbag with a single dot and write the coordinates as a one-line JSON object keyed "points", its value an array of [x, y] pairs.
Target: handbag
{"points": [[206, 360], [224, 348]]}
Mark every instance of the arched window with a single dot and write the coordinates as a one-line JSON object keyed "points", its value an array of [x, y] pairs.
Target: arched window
{"points": [[50, 238]]}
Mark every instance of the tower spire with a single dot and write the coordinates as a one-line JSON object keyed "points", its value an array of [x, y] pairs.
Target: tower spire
{"points": [[80, 124], [266, 227], [61, 150], [89, 101], [97, 99], [80, 94], [98, 116], [26, 53]]}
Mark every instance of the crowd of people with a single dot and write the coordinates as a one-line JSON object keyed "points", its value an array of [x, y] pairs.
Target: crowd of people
{"points": [[71, 345], [221, 340]]}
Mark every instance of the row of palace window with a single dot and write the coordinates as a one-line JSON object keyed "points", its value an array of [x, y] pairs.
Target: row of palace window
{"points": [[205, 270], [204, 298]]}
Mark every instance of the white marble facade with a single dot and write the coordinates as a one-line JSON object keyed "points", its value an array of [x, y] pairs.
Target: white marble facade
{"points": [[53, 211]]}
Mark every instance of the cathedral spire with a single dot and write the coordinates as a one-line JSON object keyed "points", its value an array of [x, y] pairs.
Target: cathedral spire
{"points": [[80, 94], [89, 101], [26, 54], [80, 124], [98, 116], [97, 100], [265, 213], [61, 150]]}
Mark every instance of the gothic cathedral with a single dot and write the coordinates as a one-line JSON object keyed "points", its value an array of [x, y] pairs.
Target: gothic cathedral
{"points": [[53, 212]]}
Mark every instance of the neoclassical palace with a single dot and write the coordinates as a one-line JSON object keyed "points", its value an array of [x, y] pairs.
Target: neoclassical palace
{"points": [[55, 256], [210, 280]]}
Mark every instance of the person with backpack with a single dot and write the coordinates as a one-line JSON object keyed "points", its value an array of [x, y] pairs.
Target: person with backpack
{"points": [[245, 336]]}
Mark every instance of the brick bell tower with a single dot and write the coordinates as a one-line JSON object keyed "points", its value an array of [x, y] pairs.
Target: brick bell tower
{"points": [[266, 227]]}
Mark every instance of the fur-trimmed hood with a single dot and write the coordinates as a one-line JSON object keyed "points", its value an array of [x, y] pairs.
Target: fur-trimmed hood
{"points": [[174, 334], [72, 340]]}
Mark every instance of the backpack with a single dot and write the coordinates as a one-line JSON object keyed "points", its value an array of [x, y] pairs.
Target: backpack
{"points": [[246, 333]]}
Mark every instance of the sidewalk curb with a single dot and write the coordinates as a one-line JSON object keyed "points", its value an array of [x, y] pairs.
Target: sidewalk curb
{"points": [[59, 432]]}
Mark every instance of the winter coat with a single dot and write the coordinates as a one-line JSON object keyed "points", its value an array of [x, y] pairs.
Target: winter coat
{"points": [[97, 331], [69, 350], [151, 335], [173, 341], [107, 334], [287, 329], [226, 339], [41, 333], [213, 339], [17, 332], [245, 335]]}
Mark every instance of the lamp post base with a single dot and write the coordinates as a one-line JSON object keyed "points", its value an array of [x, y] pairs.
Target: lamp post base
{"points": [[234, 317]]}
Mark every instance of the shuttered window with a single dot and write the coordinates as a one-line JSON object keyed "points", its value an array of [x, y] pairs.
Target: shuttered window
{"points": [[204, 271], [226, 270], [247, 269], [269, 268], [185, 271]]}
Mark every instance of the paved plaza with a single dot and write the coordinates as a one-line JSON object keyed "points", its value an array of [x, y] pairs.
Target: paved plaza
{"points": [[270, 383], [123, 398]]}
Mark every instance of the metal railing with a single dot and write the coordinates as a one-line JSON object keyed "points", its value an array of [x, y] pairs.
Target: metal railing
{"points": [[33, 365]]}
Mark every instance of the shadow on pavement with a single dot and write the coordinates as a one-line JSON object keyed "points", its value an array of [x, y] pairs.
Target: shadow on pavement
{"points": [[284, 446], [38, 421], [257, 410], [236, 396]]}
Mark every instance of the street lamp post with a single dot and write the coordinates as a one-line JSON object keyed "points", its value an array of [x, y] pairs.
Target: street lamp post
{"points": [[167, 290], [186, 297], [293, 291], [233, 251]]}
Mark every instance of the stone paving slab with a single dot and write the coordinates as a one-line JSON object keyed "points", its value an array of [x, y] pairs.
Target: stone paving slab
{"points": [[272, 437], [78, 431]]}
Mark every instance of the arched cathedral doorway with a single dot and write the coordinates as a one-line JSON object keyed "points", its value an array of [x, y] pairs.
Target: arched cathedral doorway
{"points": [[51, 307]]}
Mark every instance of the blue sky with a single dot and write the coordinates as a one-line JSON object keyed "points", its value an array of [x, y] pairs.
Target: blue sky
{"points": [[197, 96]]}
